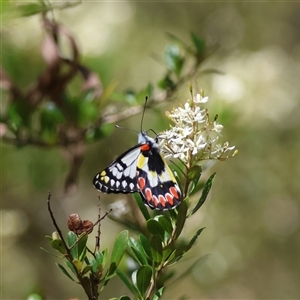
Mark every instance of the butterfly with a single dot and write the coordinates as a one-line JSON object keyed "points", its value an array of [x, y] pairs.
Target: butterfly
{"points": [[142, 169]]}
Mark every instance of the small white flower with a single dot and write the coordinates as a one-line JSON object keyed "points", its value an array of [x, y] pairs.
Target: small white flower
{"points": [[193, 136], [218, 127], [199, 99]]}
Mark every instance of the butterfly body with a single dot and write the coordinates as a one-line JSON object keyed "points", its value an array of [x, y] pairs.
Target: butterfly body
{"points": [[143, 170]]}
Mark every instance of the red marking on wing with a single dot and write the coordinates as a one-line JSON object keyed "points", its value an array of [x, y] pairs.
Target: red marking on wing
{"points": [[141, 183], [170, 199], [174, 192], [155, 201], [162, 200], [148, 194], [145, 147]]}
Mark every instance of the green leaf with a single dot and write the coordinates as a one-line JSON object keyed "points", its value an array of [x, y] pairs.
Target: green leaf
{"points": [[88, 112], [173, 58], [72, 238], [205, 192], [71, 267], [167, 252], [64, 271], [19, 114], [138, 251], [177, 254], [146, 245], [82, 246], [124, 298], [155, 228], [182, 210], [86, 269], [165, 223], [143, 278], [130, 286], [118, 251], [58, 245], [99, 257], [97, 262], [142, 206], [166, 83], [195, 237], [159, 293], [51, 116], [105, 256], [199, 43], [30, 9], [156, 248], [194, 176]]}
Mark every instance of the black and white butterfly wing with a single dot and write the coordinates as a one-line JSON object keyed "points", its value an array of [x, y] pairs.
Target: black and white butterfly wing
{"points": [[120, 175], [142, 169], [156, 181]]}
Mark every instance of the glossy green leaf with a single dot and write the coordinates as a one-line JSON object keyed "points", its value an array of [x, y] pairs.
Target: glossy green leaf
{"points": [[99, 257], [155, 228], [165, 223], [118, 251], [143, 278], [81, 245], [105, 256], [146, 245], [177, 254], [194, 176], [142, 206], [58, 245], [159, 293], [64, 271], [96, 262], [71, 267], [72, 238], [124, 297], [86, 269], [167, 252], [125, 280], [138, 251], [77, 264], [181, 218], [195, 237], [205, 192], [156, 248]]}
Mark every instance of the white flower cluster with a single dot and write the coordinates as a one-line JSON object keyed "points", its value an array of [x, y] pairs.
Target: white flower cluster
{"points": [[193, 137]]}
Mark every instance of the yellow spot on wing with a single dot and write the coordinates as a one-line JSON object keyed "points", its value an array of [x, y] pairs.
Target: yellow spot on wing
{"points": [[103, 173], [142, 160], [104, 178]]}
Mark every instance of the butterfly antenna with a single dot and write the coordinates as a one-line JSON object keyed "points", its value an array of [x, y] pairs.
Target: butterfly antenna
{"points": [[120, 127], [144, 113]]}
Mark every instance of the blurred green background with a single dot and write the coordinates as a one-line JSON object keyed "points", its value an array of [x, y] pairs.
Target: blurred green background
{"points": [[252, 217]]}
